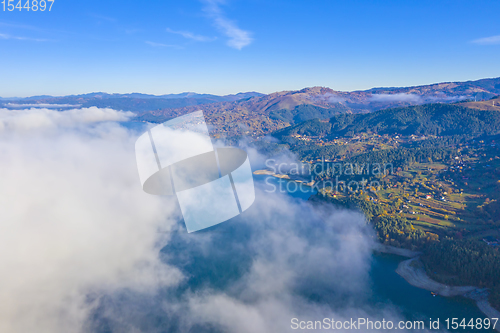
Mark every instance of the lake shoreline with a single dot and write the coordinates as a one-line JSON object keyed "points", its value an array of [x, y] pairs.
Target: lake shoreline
{"points": [[396, 250], [282, 176], [413, 272]]}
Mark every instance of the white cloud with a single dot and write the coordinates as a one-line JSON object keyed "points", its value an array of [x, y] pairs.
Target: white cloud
{"points": [[444, 98], [154, 44], [493, 40], [45, 119], [80, 246], [75, 222], [415, 99], [399, 97], [294, 251], [20, 26], [253, 273], [238, 38], [7, 36], [328, 97], [190, 35], [103, 17]]}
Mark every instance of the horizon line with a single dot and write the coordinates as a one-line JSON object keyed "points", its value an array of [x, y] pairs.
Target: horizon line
{"points": [[243, 92]]}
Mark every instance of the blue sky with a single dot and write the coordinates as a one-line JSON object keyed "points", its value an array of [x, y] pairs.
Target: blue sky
{"points": [[224, 47]]}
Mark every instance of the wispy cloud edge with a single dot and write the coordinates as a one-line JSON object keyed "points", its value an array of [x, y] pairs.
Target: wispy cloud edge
{"points": [[154, 44], [7, 36], [238, 38], [492, 40], [190, 35]]}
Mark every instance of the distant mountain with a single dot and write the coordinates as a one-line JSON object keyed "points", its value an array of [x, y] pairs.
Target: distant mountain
{"points": [[257, 114], [23, 98], [227, 98], [103, 95], [479, 89], [185, 95], [135, 102], [380, 98], [429, 119], [262, 114]]}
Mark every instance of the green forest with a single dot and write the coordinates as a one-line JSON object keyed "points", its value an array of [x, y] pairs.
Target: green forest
{"points": [[440, 195], [428, 119], [464, 262]]}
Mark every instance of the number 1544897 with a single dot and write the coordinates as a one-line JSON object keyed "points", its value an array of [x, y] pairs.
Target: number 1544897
{"points": [[27, 5]]}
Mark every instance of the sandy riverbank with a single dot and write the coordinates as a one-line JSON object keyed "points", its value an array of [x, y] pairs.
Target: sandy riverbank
{"points": [[413, 272], [396, 250], [270, 173], [282, 176]]}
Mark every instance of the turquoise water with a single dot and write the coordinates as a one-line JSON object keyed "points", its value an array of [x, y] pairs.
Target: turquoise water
{"points": [[415, 303], [390, 289]]}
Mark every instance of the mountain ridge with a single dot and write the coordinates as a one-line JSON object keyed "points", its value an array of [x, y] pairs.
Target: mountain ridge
{"points": [[260, 115], [429, 119], [255, 114], [104, 95]]}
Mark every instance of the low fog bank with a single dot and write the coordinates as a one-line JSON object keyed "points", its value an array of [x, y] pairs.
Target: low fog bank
{"points": [[75, 223], [281, 259], [84, 249]]}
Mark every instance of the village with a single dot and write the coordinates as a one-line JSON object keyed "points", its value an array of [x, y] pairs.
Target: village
{"points": [[456, 196]]}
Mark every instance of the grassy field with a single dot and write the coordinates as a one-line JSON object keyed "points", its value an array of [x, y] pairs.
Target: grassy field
{"points": [[437, 203], [454, 197], [491, 105]]}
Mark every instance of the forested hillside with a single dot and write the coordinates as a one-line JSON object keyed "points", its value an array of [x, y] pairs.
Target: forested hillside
{"points": [[429, 119], [427, 177]]}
